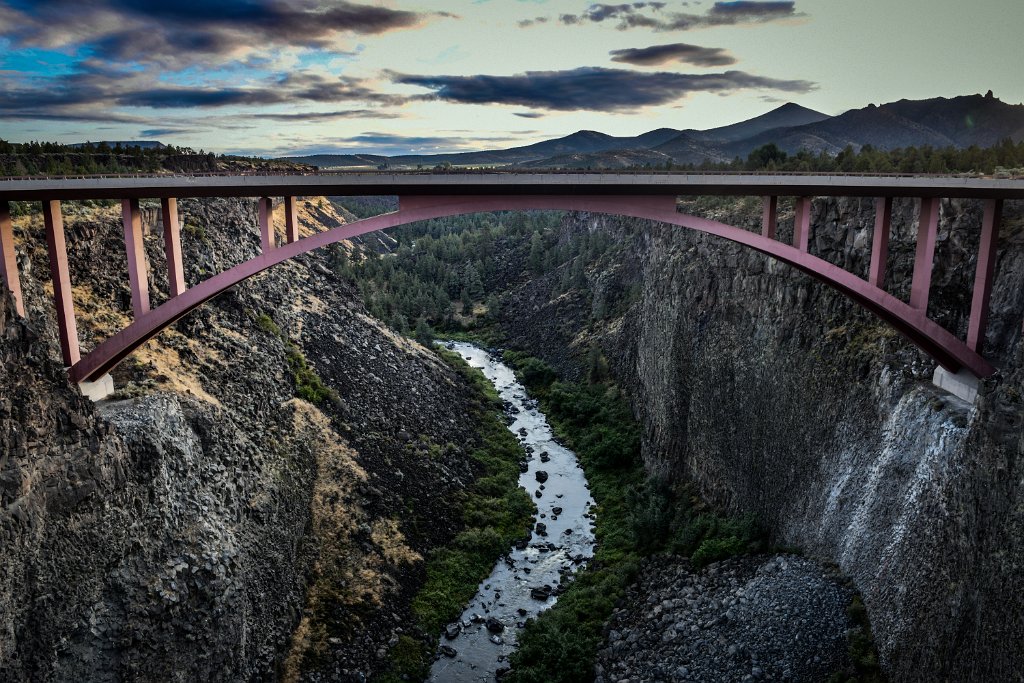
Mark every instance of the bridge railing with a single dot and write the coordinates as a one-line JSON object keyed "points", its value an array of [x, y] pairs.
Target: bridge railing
{"points": [[485, 172]]}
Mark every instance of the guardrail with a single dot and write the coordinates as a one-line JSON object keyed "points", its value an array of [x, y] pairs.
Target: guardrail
{"points": [[482, 172]]}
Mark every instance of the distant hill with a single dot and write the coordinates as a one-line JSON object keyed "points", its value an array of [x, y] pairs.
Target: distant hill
{"points": [[937, 122], [141, 144]]}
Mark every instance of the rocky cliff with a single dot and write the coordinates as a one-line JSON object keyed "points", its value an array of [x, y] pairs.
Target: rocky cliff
{"points": [[778, 396], [207, 523]]}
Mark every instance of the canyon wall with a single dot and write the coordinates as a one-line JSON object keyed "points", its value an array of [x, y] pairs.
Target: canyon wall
{"points": [[777, 395], [206, 523]]}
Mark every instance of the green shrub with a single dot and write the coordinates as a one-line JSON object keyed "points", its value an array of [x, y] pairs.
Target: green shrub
{"points": [[715, 549]]}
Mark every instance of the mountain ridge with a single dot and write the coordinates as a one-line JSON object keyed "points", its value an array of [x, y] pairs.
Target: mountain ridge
{"points": [[937, 122]]}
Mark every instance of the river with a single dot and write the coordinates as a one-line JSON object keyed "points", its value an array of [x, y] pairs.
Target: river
{"points": [[474, 649]]}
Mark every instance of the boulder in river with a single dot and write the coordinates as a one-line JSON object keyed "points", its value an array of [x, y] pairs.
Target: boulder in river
{"points": [[542, 529], [542, 476], [451, 631], [494, 626], [448, 651], [556, 510], [541, 592]]}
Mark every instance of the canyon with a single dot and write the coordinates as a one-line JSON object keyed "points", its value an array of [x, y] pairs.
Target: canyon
{"points": [[210, 522]]}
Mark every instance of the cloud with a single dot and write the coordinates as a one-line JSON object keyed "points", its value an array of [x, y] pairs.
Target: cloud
{"points": [[673, 52], [590, 88], [651, 15], [322, 116], [95, 91], [185, 32], [530, 114], [160, 132], [526, 23], [394, 145]]}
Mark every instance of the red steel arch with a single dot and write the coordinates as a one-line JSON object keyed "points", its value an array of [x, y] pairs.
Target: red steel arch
{"points": [[945, 347]]}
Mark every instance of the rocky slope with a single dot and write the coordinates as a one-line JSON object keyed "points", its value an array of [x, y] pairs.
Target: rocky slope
{"points": [[778, 396], [208, 524], [745, 619]]}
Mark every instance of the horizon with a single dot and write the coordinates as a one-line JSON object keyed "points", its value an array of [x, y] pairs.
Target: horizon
{"points": [[404, 77]]}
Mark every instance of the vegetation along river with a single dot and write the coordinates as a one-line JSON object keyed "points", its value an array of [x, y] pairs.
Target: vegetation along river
{"points": [[526, 580]]}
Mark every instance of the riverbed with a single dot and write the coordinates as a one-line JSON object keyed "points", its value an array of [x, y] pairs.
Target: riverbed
{"points": [[525, 581]]}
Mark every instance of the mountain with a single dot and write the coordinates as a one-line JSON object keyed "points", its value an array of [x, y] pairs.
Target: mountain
{"points": [[580, 142], [938, 122], [788, 115], [970, 120], [872, 125]]}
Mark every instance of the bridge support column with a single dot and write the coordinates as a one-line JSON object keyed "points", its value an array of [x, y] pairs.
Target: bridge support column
{"points": [[8, 261], [984, 273], [802, 223], [137, 276], [880, 241], [291, 223], [172, 247], [265, 208], [67, 329], [927, 232], [769, 216]]}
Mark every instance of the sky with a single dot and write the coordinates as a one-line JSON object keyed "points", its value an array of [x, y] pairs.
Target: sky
{"points": [[293, 77]]}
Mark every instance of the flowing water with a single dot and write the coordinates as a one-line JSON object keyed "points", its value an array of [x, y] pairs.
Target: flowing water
{"points": [[474, 648]]}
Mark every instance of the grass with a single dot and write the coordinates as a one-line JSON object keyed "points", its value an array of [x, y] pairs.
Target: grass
{"points": [[495, 512], [636, 516]]}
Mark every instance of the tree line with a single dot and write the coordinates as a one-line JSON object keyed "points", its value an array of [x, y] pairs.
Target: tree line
{"points": [[1004, 157], [447, 274]]}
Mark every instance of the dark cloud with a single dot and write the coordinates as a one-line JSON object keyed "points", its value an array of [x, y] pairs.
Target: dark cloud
{"points": [[590, 88], [321, 116], [94, 89], [651, 15], [673, 52], [530, 114], [181, 33]]}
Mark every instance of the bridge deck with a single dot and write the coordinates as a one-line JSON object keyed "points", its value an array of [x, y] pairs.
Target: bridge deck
{"points": [[471, 183]]}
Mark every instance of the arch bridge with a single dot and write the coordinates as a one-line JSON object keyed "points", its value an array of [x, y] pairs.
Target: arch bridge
{"points": [[425, 196]]}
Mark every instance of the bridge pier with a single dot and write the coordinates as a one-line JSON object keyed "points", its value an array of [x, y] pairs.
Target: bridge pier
{"points": [[983, 274], [769, 216], [291, 224], [138, 279], [8, 261], [265, 209], [172, 247], [924, 257], [67, 328], [880, 241]]}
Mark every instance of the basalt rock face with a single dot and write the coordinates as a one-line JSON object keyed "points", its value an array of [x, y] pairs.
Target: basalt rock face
{"points": [[778, 396], [205, 523]]}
